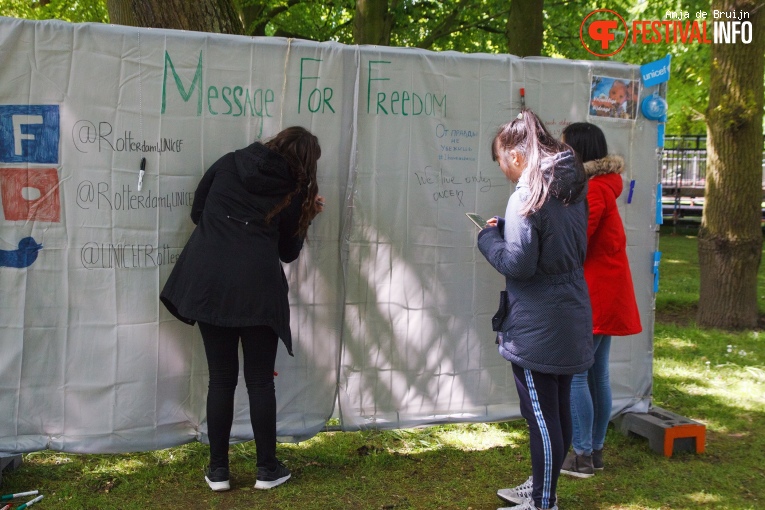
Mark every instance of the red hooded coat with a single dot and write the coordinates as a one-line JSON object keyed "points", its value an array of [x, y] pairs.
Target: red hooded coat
{"points": [[606, 268]]}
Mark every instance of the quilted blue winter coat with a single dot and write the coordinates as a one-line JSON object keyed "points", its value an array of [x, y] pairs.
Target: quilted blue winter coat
{"points": [[547, 324]]}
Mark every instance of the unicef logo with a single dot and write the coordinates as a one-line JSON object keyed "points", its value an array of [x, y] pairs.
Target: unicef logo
{"points": [[654, 107]]}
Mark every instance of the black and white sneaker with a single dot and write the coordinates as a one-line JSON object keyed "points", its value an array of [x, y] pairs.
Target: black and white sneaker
{"points": [[217, 479], [527, 504], [517, 494], [270, 478]]}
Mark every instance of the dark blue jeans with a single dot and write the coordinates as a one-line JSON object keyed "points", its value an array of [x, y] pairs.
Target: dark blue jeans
{"points": [[259, 345]]}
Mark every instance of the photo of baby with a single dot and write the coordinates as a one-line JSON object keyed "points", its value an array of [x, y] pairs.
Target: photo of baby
{"points": [[614, 98]]}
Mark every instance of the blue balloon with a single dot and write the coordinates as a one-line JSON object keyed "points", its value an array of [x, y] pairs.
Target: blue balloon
{"points": [[654, 107]]}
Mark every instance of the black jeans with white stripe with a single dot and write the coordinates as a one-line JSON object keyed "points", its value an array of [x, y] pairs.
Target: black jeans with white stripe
{"points": [[546, 406]]}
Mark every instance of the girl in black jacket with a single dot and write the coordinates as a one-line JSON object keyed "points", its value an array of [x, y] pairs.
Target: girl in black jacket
{"points": [[252, 209]]}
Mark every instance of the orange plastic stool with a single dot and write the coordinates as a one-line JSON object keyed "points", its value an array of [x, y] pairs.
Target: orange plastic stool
{"points": [[666, 432]]}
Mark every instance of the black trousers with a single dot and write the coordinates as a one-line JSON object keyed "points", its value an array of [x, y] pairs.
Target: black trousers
{"points": [[259, 345], [545, 404]]}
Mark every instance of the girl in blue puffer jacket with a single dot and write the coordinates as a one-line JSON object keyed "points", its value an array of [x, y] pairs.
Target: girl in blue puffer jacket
{"points": [[545, 325]]}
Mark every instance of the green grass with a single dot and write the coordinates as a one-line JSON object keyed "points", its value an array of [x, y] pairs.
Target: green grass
{"points": [[679, 273], [715, 377]]}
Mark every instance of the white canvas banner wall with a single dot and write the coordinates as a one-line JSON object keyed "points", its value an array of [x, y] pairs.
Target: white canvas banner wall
{"points": [[391, 301]]}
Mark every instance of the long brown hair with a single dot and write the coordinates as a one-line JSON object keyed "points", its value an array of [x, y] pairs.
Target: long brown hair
{"points": [[528, 135], [301, 149]]}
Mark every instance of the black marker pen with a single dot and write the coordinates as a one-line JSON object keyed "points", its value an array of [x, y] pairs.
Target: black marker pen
{"points": [[140, 173]]}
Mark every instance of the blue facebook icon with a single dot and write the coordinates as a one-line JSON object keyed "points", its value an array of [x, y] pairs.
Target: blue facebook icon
{"points": [[29, 133]]}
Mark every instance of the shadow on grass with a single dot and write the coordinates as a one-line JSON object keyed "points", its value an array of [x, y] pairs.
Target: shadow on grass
{"points": [[418, 470]]}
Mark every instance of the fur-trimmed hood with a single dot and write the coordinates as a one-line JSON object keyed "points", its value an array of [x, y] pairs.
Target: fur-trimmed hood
{"points": [[611, 164]]}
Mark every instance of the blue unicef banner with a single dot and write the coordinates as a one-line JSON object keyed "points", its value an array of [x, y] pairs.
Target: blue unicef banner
{"points": [[655, 73]]}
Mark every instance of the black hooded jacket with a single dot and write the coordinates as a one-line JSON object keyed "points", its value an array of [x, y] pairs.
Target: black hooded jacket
{"points": [[229, 273]]}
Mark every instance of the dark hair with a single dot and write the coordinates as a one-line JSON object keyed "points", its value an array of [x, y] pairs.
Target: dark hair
{"points": [[301, 149], [529, 136], [587, 140]]}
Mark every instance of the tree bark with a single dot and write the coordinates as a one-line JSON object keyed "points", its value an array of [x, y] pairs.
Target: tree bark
{"points": [[525, 28], [121, 12], [371, 22], [730, 237], [219, 16]]}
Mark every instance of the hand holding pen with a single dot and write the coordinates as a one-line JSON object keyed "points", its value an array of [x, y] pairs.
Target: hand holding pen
{"points": [[319, 201]]}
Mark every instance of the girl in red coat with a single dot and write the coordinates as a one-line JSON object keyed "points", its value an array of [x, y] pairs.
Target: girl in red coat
{"points": [[614, 309]]}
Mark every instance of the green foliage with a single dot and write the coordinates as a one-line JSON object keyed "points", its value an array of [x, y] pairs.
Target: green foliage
{"points": [[460, 25], [80, 11], [468, 26], [310, 20]]}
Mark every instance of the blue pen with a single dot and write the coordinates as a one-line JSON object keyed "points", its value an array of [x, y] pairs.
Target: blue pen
{"points": [[659, 211], [655, 271], [30, 503], [632, 188]]}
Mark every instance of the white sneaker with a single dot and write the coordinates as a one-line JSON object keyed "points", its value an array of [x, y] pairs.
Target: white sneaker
{"points": [[217, 479], [517, 494], [526, 505]]}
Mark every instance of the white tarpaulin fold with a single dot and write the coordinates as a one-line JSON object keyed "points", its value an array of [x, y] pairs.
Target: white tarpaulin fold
{"points": [[391, 301]]}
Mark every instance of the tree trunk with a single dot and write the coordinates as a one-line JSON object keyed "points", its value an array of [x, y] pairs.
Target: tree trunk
{"points": [[121, 12], [730, 237], [371, 23], [219, 16], [525, 28]]}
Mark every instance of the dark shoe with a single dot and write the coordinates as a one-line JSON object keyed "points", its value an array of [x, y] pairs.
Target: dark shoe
{"points": [[597, 460], [268, 479], [217, 479], [579, 466]]}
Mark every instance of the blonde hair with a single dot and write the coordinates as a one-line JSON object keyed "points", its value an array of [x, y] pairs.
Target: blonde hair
{"points": [[527, 135]]}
